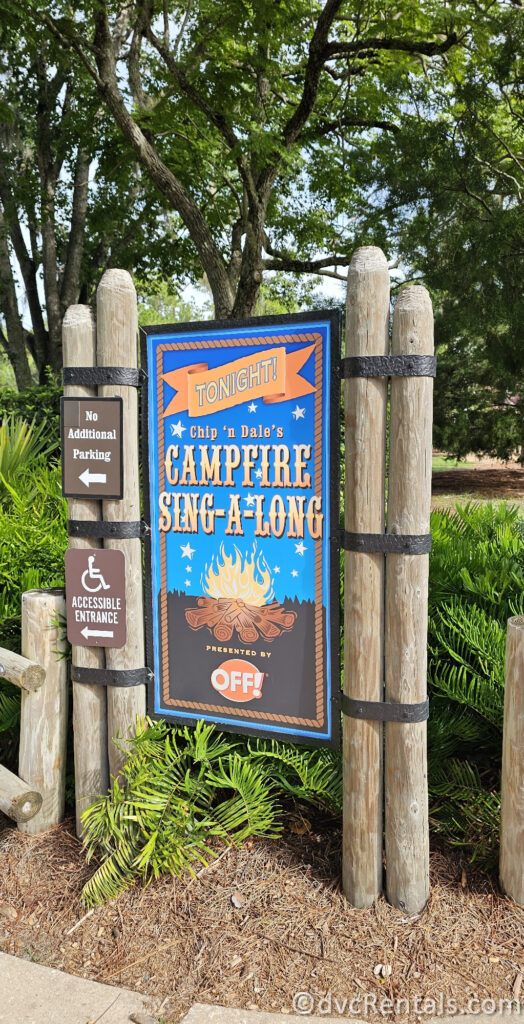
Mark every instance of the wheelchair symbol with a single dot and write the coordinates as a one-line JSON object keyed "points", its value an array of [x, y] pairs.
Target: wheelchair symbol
{"points": [[93, 575]]}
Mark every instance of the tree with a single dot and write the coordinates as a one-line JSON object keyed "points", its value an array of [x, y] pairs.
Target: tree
{"points": [[240, 114], [72, 200], [451, 189]]}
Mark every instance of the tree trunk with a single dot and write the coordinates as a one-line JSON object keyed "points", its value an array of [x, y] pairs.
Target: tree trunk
{"points": [[14, 342], [75, 247]]}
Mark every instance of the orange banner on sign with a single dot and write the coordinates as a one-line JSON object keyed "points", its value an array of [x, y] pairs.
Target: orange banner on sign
{"points": [[272, 374]]}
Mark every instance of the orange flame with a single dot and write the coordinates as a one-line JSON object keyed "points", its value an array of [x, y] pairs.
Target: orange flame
{"points": [[246, 579]]}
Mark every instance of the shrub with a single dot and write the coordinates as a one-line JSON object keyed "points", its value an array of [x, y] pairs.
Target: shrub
{"points": [[476, 583], [20, 445], [33, 540], [40, 405]]}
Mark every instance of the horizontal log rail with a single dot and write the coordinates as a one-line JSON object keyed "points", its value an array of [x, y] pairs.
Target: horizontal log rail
{"points": [[17, 799], [20, 671]]}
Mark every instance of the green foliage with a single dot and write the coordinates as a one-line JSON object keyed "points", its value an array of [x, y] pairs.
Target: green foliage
{"points": [[39, 405], [476, 583], [33, 540], [451, 188], [312, 776], [465, 809], [20, 445], [179, 788]]}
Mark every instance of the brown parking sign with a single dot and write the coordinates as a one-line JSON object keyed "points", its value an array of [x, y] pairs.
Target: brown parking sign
{"points": [[96, 597], [92, 447]]}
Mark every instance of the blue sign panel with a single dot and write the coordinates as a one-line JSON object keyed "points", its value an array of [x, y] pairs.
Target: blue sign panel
{"points": [[241, 426]]}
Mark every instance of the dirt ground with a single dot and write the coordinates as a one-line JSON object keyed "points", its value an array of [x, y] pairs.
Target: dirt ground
{"points": [[487, 479], [261, 924]]}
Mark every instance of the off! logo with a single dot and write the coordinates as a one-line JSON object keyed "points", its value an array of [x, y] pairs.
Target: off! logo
{"points": [[238, 680]]}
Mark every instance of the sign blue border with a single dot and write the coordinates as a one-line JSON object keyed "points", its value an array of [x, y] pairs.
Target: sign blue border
{"points": [[298, 579]]}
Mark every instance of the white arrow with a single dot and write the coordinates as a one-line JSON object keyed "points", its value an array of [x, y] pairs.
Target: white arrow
{"points": [[96, 632], [92, 478]]}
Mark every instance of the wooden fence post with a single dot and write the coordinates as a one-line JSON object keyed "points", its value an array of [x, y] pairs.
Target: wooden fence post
{"points": [[43, 718], [89, 701], [117, 345], [409, 504], [512, 811], [365, 415]]}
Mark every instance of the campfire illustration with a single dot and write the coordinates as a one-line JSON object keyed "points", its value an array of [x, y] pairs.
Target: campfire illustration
{"points": [[239, 598]]}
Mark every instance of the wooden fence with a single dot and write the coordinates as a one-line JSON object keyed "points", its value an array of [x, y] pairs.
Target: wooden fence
{"points": [[35, 797], [385, 594], [102, 714]]}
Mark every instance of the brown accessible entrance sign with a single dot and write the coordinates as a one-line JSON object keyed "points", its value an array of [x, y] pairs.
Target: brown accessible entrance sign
{"points": [[92, 447], [95, 595]]}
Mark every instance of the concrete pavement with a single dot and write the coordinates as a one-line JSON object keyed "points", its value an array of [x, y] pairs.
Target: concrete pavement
{"points": [[201, 1014], [33, 994]]}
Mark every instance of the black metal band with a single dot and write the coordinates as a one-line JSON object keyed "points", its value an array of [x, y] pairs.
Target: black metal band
{"points": [[389, 366], [109, 676], [384, 711], [387, 543], [91, 376], [120, 531]]}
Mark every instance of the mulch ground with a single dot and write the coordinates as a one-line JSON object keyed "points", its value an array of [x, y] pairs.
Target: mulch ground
{"points": [[261, 924]]}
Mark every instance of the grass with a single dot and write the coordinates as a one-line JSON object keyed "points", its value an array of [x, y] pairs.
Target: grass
{"points": [[441, 462]]}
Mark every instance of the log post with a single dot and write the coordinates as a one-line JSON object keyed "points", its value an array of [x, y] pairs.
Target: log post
{"points": [[409, 503], [19, 671], [43, 718], [365, 416], [17, 799], [117, 345], [512, 811], [89, 701]]}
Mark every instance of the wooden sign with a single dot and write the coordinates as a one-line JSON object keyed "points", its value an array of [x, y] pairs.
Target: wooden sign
{"points": [[91, 447], [242, 452], [96, 597]]}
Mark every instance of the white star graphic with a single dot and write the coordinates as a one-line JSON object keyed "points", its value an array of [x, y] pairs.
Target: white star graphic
{"points": [[276, 568], [294, 572], [298, 413], [177, 429], [187, 583], [300, 548], [259, 474], [252, 407], [250, 500], [187, 550], [189, 568]]}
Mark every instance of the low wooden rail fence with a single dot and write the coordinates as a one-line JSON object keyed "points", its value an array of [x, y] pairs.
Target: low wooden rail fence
{"points": [[35, 797]]}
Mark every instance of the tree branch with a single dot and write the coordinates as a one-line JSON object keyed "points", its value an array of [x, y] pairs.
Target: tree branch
{"points": [[325, 127], [283, 261], [169, 186], [428, 47], [216, 118], [315, 63]]}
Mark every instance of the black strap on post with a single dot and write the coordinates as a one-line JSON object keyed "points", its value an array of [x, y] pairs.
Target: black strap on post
{"points": [[384, 711], [92, 376], [389, 366], [119, 531], [109, 676], [386, 543]]}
